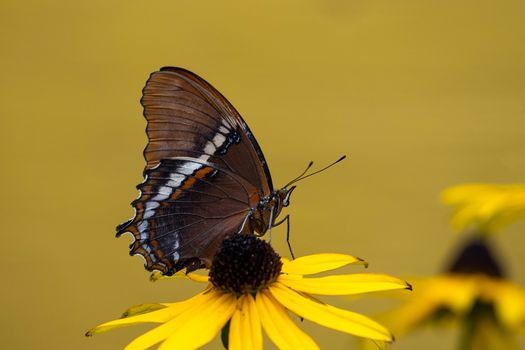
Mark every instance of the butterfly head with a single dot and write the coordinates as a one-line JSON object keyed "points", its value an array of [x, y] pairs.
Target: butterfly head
{"points": [[284, 195], [279, 200]]}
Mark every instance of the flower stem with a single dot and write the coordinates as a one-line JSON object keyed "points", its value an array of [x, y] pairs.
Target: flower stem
{"points": [[482, 331]]}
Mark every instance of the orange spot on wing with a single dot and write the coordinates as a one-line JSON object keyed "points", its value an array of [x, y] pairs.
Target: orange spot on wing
{"points": [[157, 250], [190, 181]]}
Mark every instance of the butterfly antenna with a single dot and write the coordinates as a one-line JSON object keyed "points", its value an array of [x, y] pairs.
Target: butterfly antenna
{"points": [[298, 177], [302, 177]]}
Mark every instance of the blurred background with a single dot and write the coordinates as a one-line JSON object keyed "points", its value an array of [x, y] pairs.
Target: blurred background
{"points": [[419, 95]]}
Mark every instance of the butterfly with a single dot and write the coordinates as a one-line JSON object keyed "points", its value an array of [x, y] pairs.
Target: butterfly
{"points": [[205, 178]]}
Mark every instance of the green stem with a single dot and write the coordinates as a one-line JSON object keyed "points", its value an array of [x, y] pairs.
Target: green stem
{"points": [[482, 331]]}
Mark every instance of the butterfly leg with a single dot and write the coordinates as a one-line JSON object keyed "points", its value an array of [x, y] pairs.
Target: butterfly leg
{"points": [[270, 228], [287, 219], [245, 221]]}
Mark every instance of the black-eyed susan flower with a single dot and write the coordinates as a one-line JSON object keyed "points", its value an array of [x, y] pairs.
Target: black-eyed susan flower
{"points": [[485, 207], [252, 288], [474, 295], [474, 292]]}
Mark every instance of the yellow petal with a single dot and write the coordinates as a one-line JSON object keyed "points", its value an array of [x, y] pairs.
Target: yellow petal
{"points": [[462, 193], [163, 331], [160, 316], [202, 323], [317, 263], [142, 309], [245, 326], [156, 275], [280, 328], [410, 315], [455, 293], [344, 284], [329, 316], [487, 207], [509, 302]]}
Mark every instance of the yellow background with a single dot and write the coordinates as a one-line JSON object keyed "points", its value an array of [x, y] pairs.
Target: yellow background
{"points": [[420, 94]]}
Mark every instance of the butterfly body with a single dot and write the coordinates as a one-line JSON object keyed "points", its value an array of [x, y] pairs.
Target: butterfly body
{"points": [[205, 178], [264, 215]]}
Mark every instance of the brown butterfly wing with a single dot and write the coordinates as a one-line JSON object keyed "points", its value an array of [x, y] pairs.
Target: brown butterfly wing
{"points": [[184, 112], [203, 175]]}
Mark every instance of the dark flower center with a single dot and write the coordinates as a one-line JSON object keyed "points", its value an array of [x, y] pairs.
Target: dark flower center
{"points": [[476, 257], [244, 264]]}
